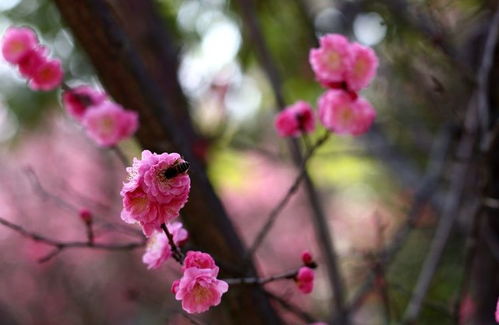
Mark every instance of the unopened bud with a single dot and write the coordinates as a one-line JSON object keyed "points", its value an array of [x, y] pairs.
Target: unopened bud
{"points": [[86, 216]]}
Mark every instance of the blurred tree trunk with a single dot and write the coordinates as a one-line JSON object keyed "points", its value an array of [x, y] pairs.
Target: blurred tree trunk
{"points": [[136, 61], [484, 276]]}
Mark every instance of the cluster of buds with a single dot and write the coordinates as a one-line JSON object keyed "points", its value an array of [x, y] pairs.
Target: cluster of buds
{"points": [[105, 121], [344, 68], [304, 278], [20, 46]]}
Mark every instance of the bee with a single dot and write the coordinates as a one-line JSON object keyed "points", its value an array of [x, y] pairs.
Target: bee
{"points": [[178, 167]]}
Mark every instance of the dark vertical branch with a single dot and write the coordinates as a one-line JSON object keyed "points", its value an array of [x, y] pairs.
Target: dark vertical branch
{"points": [[321, 225], [459, 173], [136, 62]]}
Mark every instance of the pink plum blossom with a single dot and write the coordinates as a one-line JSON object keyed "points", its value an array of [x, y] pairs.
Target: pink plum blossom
{"points": [[199, 289], [32, 61], [150, 198], [180, 234], [47, 76], [342, 114], [305, 279], [295, 119], [158, 250], [17, 42], [497, 311], [306, 257], [199, 260], [77, 100], [363, 67], [331, 60], [108, 123]]}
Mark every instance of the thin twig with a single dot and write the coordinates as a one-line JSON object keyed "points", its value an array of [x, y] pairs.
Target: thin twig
{"points": [[67, 205], [90, 232], [274, 213], [61, 245], [35, 182], [297, 311], [458, 183], [261, 281]]}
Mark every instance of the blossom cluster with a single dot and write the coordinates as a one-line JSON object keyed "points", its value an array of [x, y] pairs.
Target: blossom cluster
{"points": [[344, 68], [105, 121], [151, 197], [157, 188], [20, 46], [199, 288]]}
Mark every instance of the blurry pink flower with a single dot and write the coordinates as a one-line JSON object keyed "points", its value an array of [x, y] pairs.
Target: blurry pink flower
{"points": [[295, 119], [17, 42], [32, 61], [148, 196], [157, 251], [305, 279], [108, 123], [331, 60], [199, 260], [78, 99], [363, 67], [86, 215], [47, 76], [180, 234], [341, 114], [306, 257], [199, 289]]}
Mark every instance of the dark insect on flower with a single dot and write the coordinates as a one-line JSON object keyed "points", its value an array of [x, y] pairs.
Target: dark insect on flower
{"points": [[179, 167]]}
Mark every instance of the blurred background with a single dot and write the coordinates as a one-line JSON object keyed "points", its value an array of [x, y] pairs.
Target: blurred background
{"points": [[429, 52]]}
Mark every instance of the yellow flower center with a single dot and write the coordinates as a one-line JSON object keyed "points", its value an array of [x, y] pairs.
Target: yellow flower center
{"points": [[333, 60], [106, 125], [360, 67], [346, 115], [139, 203], [201, 294], [17, 47]]}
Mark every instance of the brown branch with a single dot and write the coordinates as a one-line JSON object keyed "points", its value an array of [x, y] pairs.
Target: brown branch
{"points": [[46, 194], [176, 252], [61, 245], [262, 281], [127, 44]]}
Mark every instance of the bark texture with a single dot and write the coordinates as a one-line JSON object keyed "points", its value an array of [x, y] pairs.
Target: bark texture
{"points": [[136, 60]]}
